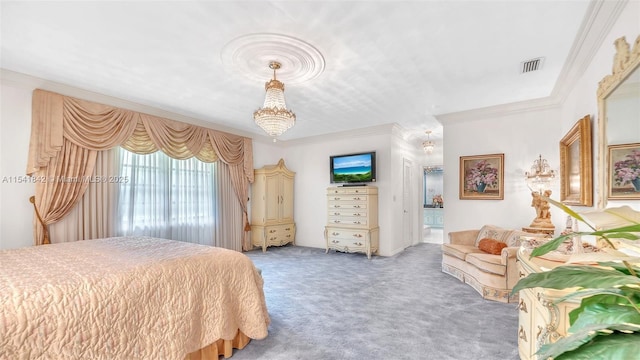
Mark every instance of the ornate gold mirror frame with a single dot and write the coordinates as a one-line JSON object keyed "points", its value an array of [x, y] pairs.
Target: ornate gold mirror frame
{"points": [[625, 61]]}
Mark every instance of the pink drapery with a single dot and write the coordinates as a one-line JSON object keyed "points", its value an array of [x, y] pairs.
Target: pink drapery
{"points": [[66, 134]]}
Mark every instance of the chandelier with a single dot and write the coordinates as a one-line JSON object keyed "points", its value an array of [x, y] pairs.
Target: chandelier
{"points": [[540, 177], [273, 117], [428, 145]]}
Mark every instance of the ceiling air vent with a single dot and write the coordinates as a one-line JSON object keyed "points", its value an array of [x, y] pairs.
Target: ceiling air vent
{"points": [[531, 65]]}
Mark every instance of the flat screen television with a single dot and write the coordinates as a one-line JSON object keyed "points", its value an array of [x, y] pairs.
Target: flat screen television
{"points": [[352, 169]]}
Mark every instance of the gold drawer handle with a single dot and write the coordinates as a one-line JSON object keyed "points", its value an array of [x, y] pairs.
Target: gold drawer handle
{"points": [[336, 213], [356, 198], [272, 231], [357, 243], [287, 229], [336, 221], [337, 206], [357, 235], [521, 334], [335, 241], [357, 206], [336, 198], [520, 274], [357, 222], [288, 236], [335, 233], [357, 214], [273, 238], [522, 306]]}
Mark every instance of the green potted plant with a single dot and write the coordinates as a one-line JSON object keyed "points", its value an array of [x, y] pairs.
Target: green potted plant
{"points": [[606, 325]]}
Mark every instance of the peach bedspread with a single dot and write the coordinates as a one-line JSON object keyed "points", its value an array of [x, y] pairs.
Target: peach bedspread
{"points": [[125, 298]]}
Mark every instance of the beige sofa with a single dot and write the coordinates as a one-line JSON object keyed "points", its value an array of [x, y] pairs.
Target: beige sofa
{"points": [[493, 276]]}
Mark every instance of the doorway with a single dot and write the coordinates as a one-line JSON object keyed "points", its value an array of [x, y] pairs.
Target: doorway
{"points": [[433, 204]]}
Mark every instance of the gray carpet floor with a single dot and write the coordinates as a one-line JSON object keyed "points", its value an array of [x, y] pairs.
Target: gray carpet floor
{"points": [[344, 306]]}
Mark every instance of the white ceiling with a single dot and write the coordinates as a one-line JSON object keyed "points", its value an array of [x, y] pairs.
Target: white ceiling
{"points": [[379, 62]]}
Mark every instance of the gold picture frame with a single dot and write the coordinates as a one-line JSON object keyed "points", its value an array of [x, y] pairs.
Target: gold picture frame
{"points": [[576, 183], [624, 168], [482, 177]]}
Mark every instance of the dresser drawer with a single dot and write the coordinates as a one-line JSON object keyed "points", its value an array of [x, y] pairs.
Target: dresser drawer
{"points": [[347, 205], [347, 220], [347, 190]]}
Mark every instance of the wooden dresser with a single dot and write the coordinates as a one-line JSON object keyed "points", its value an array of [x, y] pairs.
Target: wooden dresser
{"points": [[272, 206], [540, 320], [352, 222]]}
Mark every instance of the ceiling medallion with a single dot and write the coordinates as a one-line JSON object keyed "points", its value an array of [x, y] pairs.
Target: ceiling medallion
{"points": [[247, 54]]}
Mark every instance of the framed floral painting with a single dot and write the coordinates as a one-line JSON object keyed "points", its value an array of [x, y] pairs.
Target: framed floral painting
{"points": [[482, 177], [624, 171]]}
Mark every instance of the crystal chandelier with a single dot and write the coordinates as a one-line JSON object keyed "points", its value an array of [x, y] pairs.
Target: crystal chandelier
{"points": [[273, 117], [428, 145], [540, 177]]}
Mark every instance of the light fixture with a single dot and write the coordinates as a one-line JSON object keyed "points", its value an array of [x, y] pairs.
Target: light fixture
{"points": [[539, 181], [428, 145], [273, 117]]}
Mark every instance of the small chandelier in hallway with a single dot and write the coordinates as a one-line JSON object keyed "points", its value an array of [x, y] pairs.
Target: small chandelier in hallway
{"points": [[428, 145], [274, 117]]}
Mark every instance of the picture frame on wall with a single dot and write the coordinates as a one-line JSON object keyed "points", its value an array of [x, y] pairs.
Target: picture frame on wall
{"points": [[482, 177], [624, 171], [576, 164]]}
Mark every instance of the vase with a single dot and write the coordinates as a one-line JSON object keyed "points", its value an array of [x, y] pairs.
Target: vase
{"points": [[481, 187], [636, 183]]}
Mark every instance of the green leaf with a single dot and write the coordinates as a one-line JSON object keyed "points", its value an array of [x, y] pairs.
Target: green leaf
{"points": [[596, 342], [569, 276], [605, 314], [549, 246], [567, 210], [620, 266], [597, 296]]}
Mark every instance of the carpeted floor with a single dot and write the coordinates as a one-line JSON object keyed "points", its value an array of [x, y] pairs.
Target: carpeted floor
{"points": [[343, 306]]}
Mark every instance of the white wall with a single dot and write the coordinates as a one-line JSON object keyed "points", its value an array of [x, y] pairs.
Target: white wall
{"points": [[521, 138], [16, 212]]}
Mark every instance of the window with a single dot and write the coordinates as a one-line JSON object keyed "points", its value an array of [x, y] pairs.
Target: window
{"points": [[166, 197]]}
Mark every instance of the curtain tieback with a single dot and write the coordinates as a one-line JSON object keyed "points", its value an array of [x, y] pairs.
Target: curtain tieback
{"points": [[45, 228]]}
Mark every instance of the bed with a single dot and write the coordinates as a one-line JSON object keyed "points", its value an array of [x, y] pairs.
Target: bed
{"points": [[128, 298]]}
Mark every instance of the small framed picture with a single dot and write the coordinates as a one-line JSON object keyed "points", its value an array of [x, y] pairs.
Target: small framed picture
{"points": [[624, 171], [576, 185], [482, 177]]}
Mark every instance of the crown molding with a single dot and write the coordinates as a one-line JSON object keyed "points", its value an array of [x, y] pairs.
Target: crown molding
{"points": [[546, 103], [600, 18], [385, 129]]}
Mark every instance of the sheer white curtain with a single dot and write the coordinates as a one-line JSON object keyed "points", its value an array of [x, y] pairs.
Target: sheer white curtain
{"points": [[167, 198]]}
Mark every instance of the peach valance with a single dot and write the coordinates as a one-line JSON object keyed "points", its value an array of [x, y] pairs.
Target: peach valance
{"points": [[66, 131]]}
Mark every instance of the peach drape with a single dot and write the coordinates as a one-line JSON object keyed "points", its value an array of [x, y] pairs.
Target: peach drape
{"points": [[66, 134]]}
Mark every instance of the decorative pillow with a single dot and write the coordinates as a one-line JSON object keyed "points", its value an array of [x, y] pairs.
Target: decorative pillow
{"points": [[493, 232], [491, 246]]}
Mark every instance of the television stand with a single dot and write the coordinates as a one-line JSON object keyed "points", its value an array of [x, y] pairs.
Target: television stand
{"points": [[354, 184]]}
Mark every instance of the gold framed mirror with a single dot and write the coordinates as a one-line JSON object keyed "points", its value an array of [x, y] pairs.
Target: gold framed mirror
{"points": [[618, 113]]}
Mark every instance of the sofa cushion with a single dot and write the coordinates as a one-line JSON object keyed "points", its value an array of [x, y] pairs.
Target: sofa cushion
{"points": [[491, 246], [487, 262], [459, 251]]}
